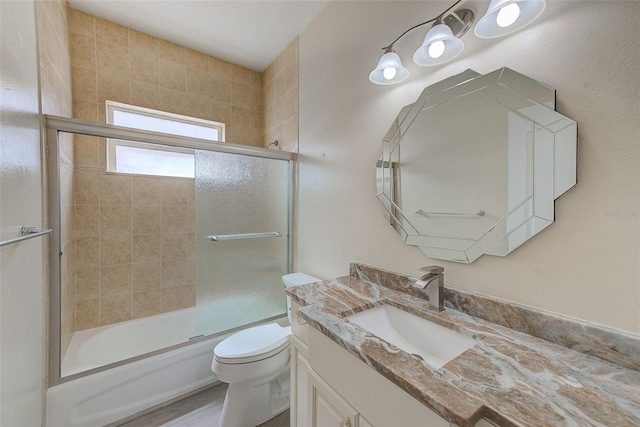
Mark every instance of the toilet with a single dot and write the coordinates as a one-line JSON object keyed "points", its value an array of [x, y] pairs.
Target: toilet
{"points": [[255, 362]]}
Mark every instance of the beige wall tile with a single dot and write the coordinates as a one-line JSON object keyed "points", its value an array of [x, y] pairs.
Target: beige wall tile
{"points": [[144, 68], [174, 246], [112, 59], [240, 95], [115, 220], [290, 104], [87, 314], [240, 118], [81, 23], [174, 219], [84, 110], [174, 272], [176, 191], [147, 191], [87, 221], [87, 252], [87, 186], [147, 247], [143, 43], [257, 99], [115, 250], [197, 82], [291, 76], [172, 75], [115, 189], [191, 245], [83, 51], [145, 95], [147, 219], [190, 295], [112, 88], [198, 107], [111, 32], [115, 309], [197, 60], [85, 84], [147, 275], [219, 68], [173, 101], [220, 89], [68, 266], [173, 298], [87, 284], [240, 74], [86, 151], [115, 279], [191, 270], [172, 52], [147, 303], [220, 112]]}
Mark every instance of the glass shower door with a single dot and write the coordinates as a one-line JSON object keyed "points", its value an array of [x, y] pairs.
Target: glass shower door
{"points": [[242, 239]]}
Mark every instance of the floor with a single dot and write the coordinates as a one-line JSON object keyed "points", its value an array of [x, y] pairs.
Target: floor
{"points": [[200, 410]]}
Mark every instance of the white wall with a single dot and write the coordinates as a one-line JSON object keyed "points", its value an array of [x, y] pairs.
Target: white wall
{"points": [[584, 265], [21, 264]]}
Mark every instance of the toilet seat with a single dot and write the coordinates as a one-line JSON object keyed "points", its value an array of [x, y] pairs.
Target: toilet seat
{"points": [[253, 344]]}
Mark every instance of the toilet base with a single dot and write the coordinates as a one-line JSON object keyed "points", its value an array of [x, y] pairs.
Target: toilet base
{"points": [[249, 405]]}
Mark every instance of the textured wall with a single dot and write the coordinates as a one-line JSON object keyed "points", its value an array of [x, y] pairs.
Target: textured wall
{"points": [[55, 97], [281, 100], [585, 264], [22, 292]]}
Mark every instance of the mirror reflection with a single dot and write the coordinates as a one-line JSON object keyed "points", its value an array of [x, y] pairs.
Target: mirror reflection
{"points": [[474, 165]]}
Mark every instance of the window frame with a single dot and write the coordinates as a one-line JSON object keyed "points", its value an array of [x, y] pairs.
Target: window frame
{"points": [[112, 143]]}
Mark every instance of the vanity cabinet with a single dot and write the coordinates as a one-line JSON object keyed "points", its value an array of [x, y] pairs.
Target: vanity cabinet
{"points": [[332, 388]]}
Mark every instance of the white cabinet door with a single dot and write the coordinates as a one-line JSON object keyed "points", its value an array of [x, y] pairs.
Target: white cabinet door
{"points": [[299, 383], [326, 407]]}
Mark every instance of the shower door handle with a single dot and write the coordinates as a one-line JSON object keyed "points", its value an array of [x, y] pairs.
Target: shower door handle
{"points": [[219, 237]]}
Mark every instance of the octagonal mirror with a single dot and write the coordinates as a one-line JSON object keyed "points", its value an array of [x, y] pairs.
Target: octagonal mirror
{"points": [[474, 166]]}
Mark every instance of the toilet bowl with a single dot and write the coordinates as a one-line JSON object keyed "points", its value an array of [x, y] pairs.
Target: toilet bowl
{"points": [[255, 362]]}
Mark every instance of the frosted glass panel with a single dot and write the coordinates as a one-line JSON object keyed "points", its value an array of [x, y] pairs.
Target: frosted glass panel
{"points": [[239, 281]]}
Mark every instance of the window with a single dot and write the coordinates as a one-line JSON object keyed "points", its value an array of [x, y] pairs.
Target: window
{"points": [[150, 159]]}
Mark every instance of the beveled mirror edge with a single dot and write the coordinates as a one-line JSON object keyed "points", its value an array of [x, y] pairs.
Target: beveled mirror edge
{"points": [[564, 149]]}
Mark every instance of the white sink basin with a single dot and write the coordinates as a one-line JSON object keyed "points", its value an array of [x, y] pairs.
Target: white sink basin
{"points": [[425, 340]]}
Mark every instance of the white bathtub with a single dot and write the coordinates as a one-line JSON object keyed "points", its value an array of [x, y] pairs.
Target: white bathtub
{"points": [[111, 395]]}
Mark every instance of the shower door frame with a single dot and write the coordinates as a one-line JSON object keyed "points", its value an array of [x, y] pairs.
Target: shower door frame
{"points": [[54, 125]]}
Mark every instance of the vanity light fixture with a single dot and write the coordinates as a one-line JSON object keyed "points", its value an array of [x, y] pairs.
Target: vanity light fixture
{"points": [[442, 42], [507, 16]]}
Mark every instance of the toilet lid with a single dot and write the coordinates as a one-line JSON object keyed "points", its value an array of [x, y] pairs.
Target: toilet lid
{"points": [[253, 344]]}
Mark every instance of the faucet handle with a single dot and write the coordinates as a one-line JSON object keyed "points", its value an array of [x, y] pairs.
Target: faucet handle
{"points": [[436, 269]]}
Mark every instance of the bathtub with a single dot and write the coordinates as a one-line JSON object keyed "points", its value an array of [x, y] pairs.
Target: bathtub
{"points": [[111, 395]]}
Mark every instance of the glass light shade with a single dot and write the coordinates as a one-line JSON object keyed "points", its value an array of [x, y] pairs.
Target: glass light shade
{"points": [[453, 46], [389, 60], [488, 27]]}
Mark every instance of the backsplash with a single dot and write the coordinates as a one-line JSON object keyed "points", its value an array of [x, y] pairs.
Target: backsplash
{"points": [[619, 347]]}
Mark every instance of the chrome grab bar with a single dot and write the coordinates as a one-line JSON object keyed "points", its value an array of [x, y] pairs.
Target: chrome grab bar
{"points": [[218, 237], [468, 215], [26, 233]]}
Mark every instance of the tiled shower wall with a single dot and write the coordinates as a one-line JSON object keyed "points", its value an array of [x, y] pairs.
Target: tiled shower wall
{"points": [[55, 98], [281, 100], [135, 234], [135, 246]]}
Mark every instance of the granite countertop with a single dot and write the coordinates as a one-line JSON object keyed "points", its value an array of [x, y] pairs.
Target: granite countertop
{"points": [[509, 377]]}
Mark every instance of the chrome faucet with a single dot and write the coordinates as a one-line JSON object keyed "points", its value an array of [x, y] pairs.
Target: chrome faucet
{"points": [[433, 283]]}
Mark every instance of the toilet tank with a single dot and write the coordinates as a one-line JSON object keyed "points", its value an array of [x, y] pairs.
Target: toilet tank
{"points": [[296, 279]]}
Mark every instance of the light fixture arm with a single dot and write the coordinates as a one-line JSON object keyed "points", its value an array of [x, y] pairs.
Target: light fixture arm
{"points": [[390, 46]]}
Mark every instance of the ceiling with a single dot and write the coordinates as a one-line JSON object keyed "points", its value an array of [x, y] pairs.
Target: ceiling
{"points": [[251, 33]]}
